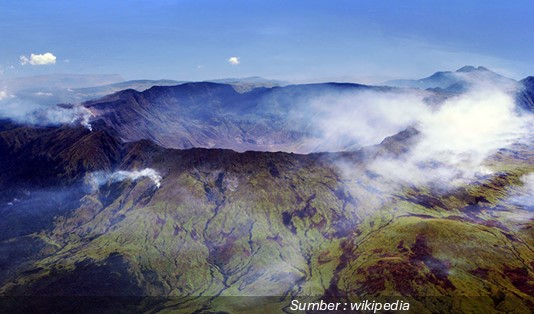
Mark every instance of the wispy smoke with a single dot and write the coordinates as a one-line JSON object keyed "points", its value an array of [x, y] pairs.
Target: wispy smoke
{"points": [[60, 115], [96, 179], [518, 208], [524, 196], [28, 112]]}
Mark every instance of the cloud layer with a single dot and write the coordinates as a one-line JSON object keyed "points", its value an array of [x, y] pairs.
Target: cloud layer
{"points": [[456, 135], [38, 59], [457, 138]]}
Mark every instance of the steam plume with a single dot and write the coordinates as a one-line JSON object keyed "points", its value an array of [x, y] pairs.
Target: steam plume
{"points": [[96, 179]]}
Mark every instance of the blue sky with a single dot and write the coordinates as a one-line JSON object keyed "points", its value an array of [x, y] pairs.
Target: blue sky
{"points": [[361, 41]]}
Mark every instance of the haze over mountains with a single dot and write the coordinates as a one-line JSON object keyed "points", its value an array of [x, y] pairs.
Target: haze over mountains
{"points": [[296, 118], [457, 81], [76, 88], [201, 190]]}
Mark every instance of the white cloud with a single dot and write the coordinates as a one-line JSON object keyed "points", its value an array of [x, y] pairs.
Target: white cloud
{"points": [[234, 60], [38, 59], [456, 136], [365, 117]]}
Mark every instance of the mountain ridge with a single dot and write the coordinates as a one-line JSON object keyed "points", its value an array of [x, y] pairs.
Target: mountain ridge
{"points": [[454, 82], [257, 223], [112, 210], [209, 115]]}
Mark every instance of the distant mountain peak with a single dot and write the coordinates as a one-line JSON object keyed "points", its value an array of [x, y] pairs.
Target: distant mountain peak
{"points": [[250, 80], [470, 68], [454, 82]]}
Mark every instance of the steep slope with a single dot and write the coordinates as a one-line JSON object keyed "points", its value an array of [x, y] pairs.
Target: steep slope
{"points": [[526, 94], [216, 115], [33, 154], [130, 209], [269, 224], [40, 171]]}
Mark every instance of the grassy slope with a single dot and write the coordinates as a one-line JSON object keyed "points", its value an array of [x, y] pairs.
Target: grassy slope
{"points": [[279, 224]]}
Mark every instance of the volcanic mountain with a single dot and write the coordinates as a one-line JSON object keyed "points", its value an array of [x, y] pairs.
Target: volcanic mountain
{"points": [[455, 82], [140, 207], [213, 115]]}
